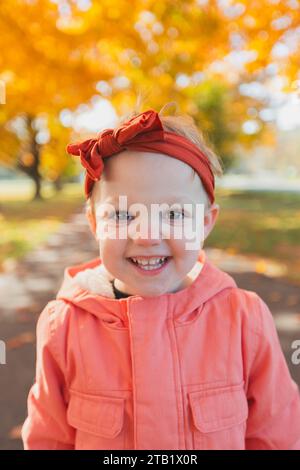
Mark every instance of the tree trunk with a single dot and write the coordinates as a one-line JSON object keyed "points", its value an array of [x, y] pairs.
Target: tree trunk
{"points": [[32, 169], [37, 190], [58, 184]]}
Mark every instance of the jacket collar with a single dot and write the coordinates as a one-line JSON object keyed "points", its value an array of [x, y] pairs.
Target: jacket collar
{"points": [[89, 287]]}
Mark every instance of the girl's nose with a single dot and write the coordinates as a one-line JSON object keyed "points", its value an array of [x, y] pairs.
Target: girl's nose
{"points": [[147, 241], [146, 233]]}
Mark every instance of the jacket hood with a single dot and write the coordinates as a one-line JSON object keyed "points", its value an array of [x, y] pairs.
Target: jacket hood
{"points": [[89, 286]]}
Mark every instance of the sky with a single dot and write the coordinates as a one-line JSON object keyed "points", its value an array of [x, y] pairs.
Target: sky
{"points": [[285, 111], [288, 116]]}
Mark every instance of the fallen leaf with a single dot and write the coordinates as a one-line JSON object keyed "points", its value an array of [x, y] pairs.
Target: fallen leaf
{"points": [[15, 432], [18, 341]]}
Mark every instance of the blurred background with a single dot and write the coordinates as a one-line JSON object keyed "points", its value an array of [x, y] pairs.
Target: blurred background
{"points": [[68, 69]]}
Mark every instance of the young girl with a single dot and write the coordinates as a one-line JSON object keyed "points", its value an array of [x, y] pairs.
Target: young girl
{"points": [[151, 346]]}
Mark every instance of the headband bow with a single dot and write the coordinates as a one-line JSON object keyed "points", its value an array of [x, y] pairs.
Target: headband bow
{"points": [[143, 133]]}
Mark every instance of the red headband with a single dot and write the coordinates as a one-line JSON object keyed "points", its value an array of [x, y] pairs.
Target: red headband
{"points": [[143, 133]]}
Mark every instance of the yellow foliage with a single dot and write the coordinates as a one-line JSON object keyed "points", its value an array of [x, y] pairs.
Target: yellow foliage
{"points": [[54, 53]]}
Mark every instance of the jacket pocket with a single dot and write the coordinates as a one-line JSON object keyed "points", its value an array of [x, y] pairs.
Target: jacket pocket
{"points": [[98, 420], [219, 417]]}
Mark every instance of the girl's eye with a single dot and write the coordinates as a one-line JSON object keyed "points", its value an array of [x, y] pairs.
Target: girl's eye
{"points": [[177, 215], [124, 216], [121, 216]]}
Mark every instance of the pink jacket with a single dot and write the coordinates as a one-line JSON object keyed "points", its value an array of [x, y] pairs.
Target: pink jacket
{"points": [[201, 368]]}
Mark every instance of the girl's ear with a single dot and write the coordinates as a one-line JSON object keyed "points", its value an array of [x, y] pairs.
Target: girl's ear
{"points": [[91, 219], [210, 219]]}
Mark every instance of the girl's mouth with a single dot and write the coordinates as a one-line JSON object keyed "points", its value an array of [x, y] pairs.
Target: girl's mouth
{"points": [[155, 267]]}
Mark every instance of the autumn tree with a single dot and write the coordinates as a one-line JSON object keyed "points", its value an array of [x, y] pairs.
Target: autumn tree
{"points": [[195, 52]]}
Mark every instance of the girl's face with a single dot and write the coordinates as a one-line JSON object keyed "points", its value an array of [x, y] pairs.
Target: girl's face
{"points": [[145, 179]]}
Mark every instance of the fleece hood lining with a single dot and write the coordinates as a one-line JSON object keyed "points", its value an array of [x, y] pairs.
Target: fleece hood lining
{"points": [[98, 280]]}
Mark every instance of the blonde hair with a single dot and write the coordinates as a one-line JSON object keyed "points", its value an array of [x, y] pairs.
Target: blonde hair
{"points": [[184, 125]]}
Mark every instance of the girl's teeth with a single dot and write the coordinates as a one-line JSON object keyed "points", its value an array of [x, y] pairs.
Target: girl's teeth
{"points": [[153, 263]]}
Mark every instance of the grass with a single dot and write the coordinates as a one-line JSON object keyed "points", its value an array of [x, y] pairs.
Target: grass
{"points": [[25, 224], [260, 223]]}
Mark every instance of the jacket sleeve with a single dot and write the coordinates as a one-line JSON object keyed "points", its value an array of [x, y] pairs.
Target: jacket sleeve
{"points": [[46, 425], [273, 396]]}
